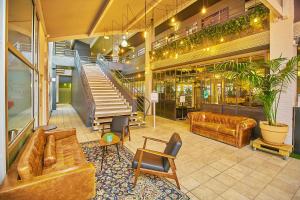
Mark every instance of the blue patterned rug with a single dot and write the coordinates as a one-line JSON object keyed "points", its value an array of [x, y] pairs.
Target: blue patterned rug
{"points": [[115, 181]]}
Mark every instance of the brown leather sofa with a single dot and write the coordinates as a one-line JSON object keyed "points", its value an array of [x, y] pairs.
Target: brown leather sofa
{"points": [[233, 130], [51, 166]]}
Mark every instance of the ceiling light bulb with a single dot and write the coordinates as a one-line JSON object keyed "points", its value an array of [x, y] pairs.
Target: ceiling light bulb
{"points": [[173, 20], [124, 43], [106, 37], [145, 34], [203, 10]]}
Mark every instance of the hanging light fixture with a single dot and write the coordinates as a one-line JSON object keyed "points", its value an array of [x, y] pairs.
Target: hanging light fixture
{"points": [[145, 32], [173, 20], [106, 37], [203, 10], [124, 42]]}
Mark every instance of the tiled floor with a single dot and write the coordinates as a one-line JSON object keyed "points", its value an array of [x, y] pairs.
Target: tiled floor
{"points": [[208, 169]]}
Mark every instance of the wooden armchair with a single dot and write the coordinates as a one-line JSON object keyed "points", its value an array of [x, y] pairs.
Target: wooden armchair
{"points": [[157, 163]]}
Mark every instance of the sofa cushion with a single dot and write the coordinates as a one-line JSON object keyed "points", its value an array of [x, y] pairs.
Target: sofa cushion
{"points": [[208, 125], [227, 130], [68, 154], [50, 153], [31, 159]]}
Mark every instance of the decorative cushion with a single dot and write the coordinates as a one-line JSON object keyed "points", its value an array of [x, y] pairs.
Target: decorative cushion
{"points": [[50, 153], [68, 154]]}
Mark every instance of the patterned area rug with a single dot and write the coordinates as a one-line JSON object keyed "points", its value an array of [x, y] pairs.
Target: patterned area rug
{"points": [[115, 180]]}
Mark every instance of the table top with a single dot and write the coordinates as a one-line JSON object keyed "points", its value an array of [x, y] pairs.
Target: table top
{"points": [[115, 140]]}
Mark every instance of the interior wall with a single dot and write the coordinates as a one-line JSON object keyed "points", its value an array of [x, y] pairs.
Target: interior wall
{"points": [[2, 90], [296, 11], [82, 48]]}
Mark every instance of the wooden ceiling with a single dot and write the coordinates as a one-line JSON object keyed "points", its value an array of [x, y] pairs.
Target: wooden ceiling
{"points": [[76, 19]]}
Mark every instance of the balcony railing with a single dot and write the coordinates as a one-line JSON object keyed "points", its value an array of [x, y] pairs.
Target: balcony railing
{"points": [[253, 21]]}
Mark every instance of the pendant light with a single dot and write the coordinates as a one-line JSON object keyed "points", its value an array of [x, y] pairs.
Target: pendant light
{"points": [[124, 42], [203, 10], [145, 32]]}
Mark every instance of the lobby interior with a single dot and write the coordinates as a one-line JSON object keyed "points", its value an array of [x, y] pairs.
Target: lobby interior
{"points": [[150, 99]]}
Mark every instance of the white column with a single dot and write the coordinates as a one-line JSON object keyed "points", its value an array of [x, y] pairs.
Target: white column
{"points": [[150, 36], [281, 43], [3, 105]]}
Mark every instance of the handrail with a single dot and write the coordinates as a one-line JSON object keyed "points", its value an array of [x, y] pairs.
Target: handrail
{"points": [[121, 79], [88, 92]]}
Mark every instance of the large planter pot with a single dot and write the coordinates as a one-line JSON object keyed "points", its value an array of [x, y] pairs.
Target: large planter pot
{"points": [[274, 135]]}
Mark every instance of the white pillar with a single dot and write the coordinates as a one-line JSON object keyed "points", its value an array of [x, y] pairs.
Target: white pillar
{"points": [[150, 36], [281, 43], [3, 105]]}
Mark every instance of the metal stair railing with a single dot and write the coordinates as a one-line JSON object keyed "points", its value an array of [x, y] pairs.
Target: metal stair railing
{"points": [[143, 104]]}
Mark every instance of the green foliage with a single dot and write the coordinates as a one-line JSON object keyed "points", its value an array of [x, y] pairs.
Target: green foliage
{"points": [[280, 73], [212, 34]]}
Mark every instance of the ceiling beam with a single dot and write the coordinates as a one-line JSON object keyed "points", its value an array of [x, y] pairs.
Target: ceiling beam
{"points": [[66, 37], [142, 14], [40, 15], [118, 32], [275, 7], [104, 8]]}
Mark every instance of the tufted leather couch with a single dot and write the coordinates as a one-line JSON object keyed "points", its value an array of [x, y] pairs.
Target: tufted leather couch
{"points": [[51, 166], [233, 130]]}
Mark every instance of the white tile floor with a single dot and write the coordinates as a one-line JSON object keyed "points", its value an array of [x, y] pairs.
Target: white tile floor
{"points": [[208, 169]]}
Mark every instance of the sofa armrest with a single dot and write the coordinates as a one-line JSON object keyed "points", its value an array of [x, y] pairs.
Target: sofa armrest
{"points": [[73, 183], [61, 133], [244, 132], [247, 124], [196, 117]]}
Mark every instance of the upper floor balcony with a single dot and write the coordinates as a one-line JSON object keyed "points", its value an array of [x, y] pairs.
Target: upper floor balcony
{"points": [[216, 29]]}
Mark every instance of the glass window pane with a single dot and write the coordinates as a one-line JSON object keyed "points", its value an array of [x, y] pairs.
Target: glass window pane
{"points": [[20, 26], [19, 96]]}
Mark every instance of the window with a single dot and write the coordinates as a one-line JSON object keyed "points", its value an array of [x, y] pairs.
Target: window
{"points": [[20, 26], [19, 96], [141, 52]]}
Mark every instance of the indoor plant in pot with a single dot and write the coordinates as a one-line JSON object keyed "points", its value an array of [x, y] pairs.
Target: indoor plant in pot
{"points": [[268, 87]]}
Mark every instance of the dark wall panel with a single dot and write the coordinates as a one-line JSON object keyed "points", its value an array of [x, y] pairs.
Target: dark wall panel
{"points": [[79, 98], [82, 48]]}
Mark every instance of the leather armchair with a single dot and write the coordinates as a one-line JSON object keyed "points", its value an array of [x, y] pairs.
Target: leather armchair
{"points": [[157, 163]]}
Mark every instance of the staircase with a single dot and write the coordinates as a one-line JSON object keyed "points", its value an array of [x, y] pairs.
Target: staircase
{"points": [[108, 100]]}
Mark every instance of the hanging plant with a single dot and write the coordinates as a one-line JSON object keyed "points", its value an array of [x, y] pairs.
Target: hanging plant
{"points": [[254, 19]]}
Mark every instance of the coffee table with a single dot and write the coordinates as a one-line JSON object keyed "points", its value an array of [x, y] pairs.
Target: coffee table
{"points": [[104, 144]]}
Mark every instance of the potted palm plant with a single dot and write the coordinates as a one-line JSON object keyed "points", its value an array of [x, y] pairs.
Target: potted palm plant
{"points": [[268, 86]]}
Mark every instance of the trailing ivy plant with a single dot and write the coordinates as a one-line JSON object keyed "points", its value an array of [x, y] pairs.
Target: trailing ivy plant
{"points": [[254, 19]]}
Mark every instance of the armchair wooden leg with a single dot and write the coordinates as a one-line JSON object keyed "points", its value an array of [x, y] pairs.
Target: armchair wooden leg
{"points": [[129, 135], [136, 175], [173, 167]]}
